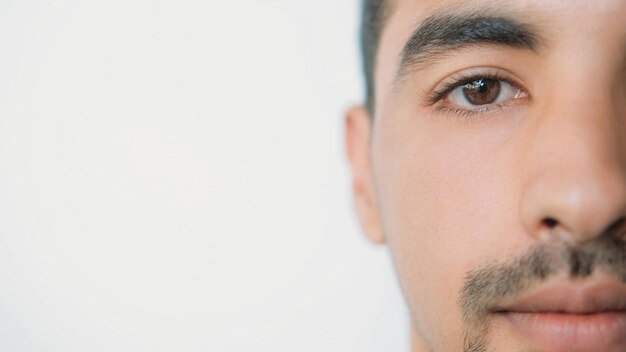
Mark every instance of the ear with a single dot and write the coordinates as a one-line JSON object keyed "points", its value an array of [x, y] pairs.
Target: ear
{"points": [[358, 133]]}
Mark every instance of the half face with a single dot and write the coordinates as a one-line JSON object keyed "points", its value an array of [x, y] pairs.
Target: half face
{"points": [[495, 170]]}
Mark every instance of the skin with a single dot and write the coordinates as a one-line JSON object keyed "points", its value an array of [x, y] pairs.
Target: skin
{"points": [[449, 193]]}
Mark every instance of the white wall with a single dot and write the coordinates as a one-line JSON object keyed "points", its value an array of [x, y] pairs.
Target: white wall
{"points": [[172, 179]]}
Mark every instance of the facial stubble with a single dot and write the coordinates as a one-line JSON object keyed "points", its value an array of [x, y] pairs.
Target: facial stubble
{"points": [[486, 287]]}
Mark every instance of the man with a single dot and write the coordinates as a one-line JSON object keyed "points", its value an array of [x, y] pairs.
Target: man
{"points": [[490, 157]]}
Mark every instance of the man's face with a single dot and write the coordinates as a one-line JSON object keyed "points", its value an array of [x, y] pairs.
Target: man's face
{"points": [[495, 170]]}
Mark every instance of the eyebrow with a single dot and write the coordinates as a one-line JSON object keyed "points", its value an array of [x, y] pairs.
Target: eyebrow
{"points": [[442, 33]]}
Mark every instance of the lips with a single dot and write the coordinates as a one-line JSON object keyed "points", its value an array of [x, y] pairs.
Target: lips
{"points": [[570, 315]]}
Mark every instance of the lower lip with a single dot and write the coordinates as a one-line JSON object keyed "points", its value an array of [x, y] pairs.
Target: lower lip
{"points": [[558, 332]]}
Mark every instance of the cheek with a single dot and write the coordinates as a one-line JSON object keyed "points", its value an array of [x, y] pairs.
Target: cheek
{"points": [[445, 197]]}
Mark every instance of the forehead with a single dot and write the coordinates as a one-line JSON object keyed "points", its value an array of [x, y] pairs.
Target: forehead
{"points": [[554, 19]]}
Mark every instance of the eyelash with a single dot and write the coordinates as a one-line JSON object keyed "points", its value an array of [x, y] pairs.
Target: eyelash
{"points": [[460, 80]]}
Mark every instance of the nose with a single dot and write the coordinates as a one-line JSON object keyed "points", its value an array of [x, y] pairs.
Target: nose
{"points": [[575, 181]]}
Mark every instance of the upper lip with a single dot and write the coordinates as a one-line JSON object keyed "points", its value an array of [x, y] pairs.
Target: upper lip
{"points": [[570, 297]]}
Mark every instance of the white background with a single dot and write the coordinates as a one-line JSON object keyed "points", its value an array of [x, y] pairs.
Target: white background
{"points": [[172, 178]]}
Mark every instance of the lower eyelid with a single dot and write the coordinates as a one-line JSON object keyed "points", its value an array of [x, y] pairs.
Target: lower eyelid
{"points": [[472, 113], [467, 113]]}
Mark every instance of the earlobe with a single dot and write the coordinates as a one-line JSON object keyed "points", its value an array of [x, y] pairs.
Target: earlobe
{"points": [[358, 131]]}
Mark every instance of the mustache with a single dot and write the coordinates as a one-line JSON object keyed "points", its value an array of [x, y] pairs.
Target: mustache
{"points": [[485, 287]]}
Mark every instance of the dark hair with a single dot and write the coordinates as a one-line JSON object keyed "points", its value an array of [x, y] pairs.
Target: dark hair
{"points": [[372, 21]]}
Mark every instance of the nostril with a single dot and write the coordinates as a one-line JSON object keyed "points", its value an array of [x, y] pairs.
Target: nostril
{"points": [[550, 222], [616, 228]]}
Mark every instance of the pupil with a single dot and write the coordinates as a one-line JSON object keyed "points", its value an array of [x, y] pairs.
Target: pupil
{"points": [[482, 86]]}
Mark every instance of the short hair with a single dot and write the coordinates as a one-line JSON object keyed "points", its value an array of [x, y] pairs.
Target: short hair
{"points": [[372, 22]]}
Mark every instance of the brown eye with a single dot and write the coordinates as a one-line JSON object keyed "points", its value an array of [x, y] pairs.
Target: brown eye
{"points": [[482, 91]]}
